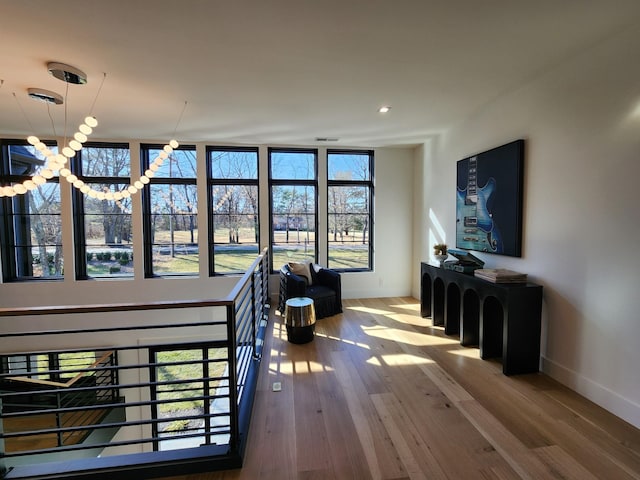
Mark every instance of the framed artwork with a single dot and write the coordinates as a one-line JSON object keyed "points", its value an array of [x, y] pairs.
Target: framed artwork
{"points": [[489, 200]]}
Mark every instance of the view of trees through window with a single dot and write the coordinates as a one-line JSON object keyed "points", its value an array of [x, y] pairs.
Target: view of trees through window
{"points": [[32, 220], [233, 207], [171, 213], [293, 182], [104, 224], [31, 232], [349, 215]]}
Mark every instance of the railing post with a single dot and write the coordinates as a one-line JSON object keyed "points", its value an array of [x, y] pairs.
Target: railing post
{"points": [[234, 438], [3, 466], [58, 419]]}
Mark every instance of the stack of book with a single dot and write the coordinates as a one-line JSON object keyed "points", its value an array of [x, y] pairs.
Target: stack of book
{"points": [[500, 275]]}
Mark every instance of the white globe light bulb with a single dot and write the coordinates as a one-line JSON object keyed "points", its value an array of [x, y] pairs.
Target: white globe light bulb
{"points": [[20, 189], [33, 140], [68, 152], [76, 145], [86, 129], [132, 190], [71, 178], [174, 144], [80, 137], [91, 121], [144, 179], [138, 185]]}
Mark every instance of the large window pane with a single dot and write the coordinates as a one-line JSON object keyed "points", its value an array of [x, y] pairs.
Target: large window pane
{"points": [[233, 207], [293, 186], [33, 236], [293, 165], [350, 191], [171, 213], [103, 225]]}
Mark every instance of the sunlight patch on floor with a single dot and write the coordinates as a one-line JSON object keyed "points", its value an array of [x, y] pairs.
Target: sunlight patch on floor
{"points": [[409, 319], [404, 359], [374, 361], [412, 338], [373, 311], [343, 340], [413, 307], [466, 352]]}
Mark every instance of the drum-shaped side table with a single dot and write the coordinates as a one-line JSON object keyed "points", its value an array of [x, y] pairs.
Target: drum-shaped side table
{"points": [[300, 319]]}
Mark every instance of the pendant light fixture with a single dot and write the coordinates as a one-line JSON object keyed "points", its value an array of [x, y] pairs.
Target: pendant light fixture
{"points": [[56, 162]]}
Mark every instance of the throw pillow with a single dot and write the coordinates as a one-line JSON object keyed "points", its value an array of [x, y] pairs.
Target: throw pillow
{"points": [[302, 269]]}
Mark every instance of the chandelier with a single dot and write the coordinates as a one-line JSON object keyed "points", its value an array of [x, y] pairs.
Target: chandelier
{"points": [[58, 162]]}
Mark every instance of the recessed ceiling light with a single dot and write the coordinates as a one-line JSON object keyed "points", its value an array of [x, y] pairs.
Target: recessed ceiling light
{"points": [[384, 109]]}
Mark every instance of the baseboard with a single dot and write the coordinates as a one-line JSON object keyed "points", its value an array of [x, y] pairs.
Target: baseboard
{"points": [[620, 406]]}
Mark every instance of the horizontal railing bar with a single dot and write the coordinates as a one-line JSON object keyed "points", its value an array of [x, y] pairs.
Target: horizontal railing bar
{"points": [[113, 307], [113, 405], [70, 448], [36, 333], [112, 386], [98, 426], [215, 343], [91, 368]]}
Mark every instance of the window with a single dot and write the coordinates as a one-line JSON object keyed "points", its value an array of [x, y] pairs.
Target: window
{"points": [[31, 227], [189, 391], [102, 223], [233, 206], [170, 206], [293, 182], [349, 210]]}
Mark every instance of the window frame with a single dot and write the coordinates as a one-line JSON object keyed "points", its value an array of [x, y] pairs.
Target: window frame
{"points": [[369, 184], [78, 206], [275, 182], [8, 253], [212, 182], [145, 162]]}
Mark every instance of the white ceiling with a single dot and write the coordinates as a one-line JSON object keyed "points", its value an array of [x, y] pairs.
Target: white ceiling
{"points": [[285, 71]]}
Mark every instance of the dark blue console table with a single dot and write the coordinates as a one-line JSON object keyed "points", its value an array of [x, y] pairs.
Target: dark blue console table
{"points": [[502, 319]]}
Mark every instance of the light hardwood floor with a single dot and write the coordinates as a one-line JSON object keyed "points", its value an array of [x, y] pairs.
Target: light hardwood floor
{"points": [[382, 394]]}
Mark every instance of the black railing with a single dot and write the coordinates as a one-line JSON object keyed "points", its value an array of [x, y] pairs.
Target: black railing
{"points": [[164, 397]]}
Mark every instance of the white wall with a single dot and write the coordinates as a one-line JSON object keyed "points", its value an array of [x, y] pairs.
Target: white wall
{"points": [[581, 122]]}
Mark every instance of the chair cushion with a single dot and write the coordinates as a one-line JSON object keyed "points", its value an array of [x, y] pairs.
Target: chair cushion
{"points": [[303, 269]]}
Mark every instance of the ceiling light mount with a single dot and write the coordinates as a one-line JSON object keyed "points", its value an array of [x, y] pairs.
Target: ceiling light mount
{"points": [[46, 96], [67, 73], [384, 109]]}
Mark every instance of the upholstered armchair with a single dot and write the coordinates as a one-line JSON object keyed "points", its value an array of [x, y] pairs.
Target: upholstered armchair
{"points": [[321, 284]]}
